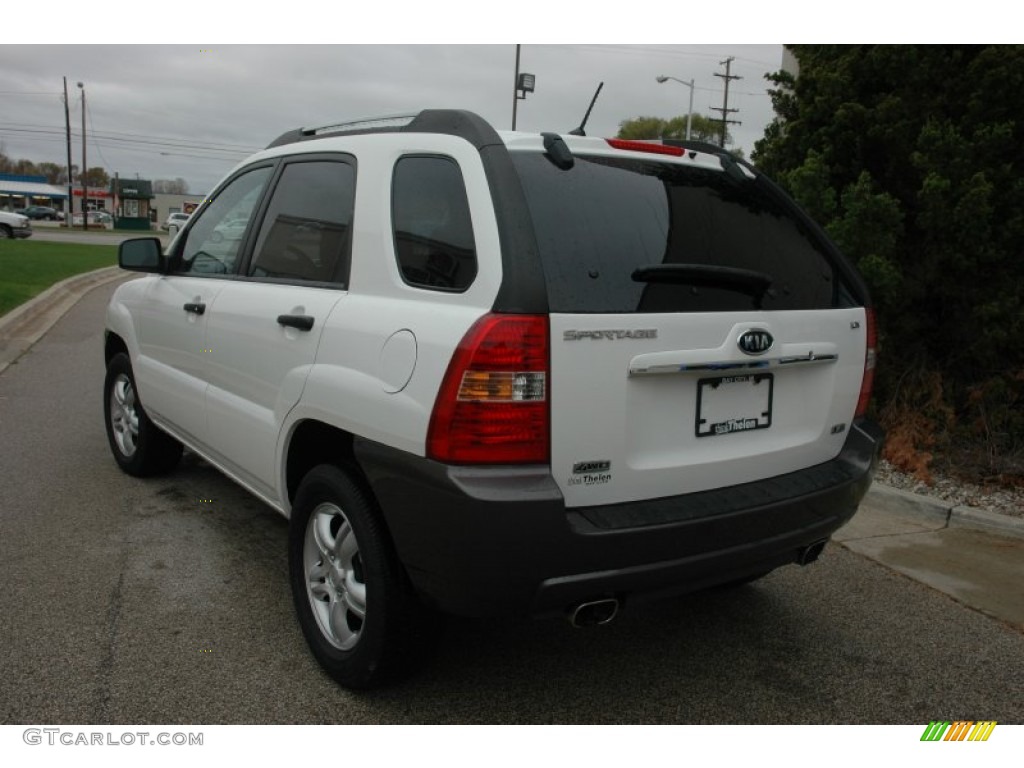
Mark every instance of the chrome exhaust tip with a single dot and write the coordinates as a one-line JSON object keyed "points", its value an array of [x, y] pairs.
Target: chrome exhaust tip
{"points": [[811, 553], [595, 613]]}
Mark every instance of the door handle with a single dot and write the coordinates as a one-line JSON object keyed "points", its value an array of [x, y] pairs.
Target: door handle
{"points": [[302, 322], [195, 308]]}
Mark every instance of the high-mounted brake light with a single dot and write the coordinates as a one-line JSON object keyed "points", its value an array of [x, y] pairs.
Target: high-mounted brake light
{"points": [[492, 407], [870, 358], [646, 146]]}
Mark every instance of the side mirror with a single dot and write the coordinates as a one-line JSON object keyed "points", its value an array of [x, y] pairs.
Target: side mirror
{"points": [[142, 254]]}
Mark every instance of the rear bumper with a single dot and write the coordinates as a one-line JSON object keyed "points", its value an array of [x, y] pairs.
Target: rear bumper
{"points": [[499, 541]]}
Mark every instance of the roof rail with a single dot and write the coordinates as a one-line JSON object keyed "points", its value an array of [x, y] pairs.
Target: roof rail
{"points": [[381, 124], [456, 122]]}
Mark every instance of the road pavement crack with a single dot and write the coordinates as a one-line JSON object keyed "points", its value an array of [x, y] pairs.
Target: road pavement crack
{"points": [[105, 672]]}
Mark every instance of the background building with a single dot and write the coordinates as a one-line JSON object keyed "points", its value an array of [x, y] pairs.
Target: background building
{"points": [[132, 203], [166, 204], [18, 192]]}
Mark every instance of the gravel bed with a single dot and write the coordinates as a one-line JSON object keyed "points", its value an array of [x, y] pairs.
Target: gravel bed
{"points": [[1003, 500]]}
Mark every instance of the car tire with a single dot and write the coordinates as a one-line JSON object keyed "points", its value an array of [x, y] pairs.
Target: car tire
{"points": [[361, 619], [5, 232], [139, 446]]}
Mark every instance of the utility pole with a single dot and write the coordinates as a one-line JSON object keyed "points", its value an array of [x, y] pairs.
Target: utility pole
{"points": [[724, 109], [70, 212], [85, 166]]}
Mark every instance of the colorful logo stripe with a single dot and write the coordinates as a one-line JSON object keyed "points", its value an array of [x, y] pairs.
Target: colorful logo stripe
{"points": [[961, 730]]}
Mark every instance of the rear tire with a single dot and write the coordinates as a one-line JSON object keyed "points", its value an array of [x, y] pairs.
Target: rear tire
{"points": [[356, 608], [139, 446]]}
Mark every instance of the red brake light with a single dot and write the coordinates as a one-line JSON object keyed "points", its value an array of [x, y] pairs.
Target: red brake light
{"points": [[492, 407], [646, 146], [870, 357]]}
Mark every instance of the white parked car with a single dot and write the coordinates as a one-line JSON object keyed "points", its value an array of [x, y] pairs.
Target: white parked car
{"points": [[494, 373], [175, 222], [14, 225]]}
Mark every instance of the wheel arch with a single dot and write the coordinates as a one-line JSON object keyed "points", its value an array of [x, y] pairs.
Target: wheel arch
{"points": [[112, 345], [310, 443]]}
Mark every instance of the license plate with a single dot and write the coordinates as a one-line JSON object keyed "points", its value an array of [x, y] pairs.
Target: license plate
{"points": [[730, 404]]}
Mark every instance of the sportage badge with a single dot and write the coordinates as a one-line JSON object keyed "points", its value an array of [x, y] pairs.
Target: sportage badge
{"points": [[756, 341]]}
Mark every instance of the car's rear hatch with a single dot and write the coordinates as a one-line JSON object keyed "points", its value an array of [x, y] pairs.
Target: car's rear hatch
{"points": [[702, 334]]}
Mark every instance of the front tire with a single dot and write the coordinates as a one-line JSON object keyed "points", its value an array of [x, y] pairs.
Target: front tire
{"points": [[138, 445], [356, 609]]}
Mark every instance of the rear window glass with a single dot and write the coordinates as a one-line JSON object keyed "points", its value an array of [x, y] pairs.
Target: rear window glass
{"points": [[607, 217]]}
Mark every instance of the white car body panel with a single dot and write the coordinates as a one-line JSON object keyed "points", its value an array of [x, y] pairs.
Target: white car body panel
{"points": [[170, 366], [256, 369]]}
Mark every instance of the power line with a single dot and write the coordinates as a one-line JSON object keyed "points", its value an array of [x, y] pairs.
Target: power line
{"points": [[110, 136], [668, 52], [92, 126], [148, 136]]}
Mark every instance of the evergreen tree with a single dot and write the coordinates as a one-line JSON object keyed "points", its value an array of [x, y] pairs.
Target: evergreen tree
{"points": [[912, 157]]}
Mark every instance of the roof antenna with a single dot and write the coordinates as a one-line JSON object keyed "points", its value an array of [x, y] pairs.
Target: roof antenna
{"points": [[579, 131]]}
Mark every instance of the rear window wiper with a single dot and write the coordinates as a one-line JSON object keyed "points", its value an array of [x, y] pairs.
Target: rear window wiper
{"points": [[745, 281]]}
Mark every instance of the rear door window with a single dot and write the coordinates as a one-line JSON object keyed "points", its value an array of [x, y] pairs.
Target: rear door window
{"points": [[601, 220]]}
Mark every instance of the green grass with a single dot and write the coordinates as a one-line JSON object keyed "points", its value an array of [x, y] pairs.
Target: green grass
{"points": [[27, 269]]}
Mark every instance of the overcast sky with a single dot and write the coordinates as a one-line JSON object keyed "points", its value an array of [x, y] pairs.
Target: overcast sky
{"points": [[193, 111], [168, 111]]}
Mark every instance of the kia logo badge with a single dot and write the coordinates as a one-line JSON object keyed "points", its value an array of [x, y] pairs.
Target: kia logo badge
{"points": [[755, 342]]}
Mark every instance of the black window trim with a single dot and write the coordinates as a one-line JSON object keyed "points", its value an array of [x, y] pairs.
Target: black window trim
{"points": [[277, 165], [174, 257]]}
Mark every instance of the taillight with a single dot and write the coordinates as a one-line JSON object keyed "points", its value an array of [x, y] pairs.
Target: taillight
{"points": [[870, 356], [646, 146], [492, 407]]}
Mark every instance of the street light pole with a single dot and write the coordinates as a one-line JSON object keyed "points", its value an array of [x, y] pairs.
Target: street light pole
{"points": [[515, 91], [689, 112], [525, 83], [67, 135], [85, 166]]}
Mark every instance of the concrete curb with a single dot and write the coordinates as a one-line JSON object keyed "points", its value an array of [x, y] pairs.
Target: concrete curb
{"points": [[948, 514], [24, 325]]}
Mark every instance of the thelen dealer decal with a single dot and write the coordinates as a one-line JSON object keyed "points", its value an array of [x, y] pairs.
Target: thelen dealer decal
{"points": [[591, 472]]}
